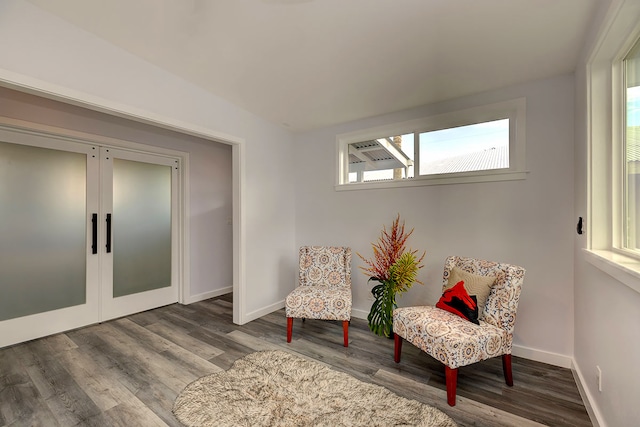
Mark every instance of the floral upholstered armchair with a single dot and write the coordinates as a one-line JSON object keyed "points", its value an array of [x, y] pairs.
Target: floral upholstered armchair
{"points": [[324, 290], [457, 339]]}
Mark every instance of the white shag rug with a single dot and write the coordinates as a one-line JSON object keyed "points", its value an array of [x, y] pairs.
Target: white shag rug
{"points": [[276, 388]]}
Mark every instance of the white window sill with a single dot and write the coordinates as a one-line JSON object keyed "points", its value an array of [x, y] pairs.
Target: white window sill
{"points": [[622, 268], [479, 176]]}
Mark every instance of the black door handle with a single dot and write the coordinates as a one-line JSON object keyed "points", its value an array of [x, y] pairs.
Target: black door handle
{"points": [[108, 233], [94, 233]]}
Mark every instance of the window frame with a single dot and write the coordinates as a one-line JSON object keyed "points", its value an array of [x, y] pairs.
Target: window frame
{"points": [[514, 110], [620, 97], [605, 100]]}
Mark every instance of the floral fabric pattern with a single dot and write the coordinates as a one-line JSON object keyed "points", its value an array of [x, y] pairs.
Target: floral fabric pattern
{"points": [[455, 341], [325, 284]]}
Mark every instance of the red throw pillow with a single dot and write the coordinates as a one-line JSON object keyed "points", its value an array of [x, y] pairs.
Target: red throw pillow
{"points": [[457, 301]]}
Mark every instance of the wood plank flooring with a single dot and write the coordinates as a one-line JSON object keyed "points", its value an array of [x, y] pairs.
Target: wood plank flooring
{"points": [[127, 372]]}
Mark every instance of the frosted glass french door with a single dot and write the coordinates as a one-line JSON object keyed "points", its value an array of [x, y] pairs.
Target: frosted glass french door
{"points": [[86, 234], [49, 276], [140, 221]]}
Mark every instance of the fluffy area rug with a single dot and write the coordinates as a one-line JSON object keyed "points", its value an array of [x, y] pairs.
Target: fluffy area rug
{"points": [[275, 388]]}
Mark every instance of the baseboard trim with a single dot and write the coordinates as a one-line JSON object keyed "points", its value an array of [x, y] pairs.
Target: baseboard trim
{"points": [[550, 358], [359, 314], [263, 311], [206, 295], [587, 397]]}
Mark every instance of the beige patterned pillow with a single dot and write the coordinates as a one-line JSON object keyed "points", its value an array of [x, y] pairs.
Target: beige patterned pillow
{"points": [[480, 286]]}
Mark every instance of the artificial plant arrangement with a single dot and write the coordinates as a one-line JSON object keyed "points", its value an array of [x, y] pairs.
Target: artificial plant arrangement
{"points": [[396, 269]]}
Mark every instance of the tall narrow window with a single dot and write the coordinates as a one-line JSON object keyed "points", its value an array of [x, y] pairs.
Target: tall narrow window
{"points": [[631, 223]]}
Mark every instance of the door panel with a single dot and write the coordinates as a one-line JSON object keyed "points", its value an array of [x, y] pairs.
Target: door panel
{"points": [[141, 227], [46, 208], [42, 220], [139, 191]]}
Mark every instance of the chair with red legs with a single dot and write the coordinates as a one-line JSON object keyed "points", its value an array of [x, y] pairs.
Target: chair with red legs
{"points": [[324, 290], [473, 321]]}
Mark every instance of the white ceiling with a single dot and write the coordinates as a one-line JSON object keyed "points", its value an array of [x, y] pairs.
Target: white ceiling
{"points": [[306, 64]]}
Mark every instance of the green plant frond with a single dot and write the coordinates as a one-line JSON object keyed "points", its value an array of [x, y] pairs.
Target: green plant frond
{"points": [[380, 316], [404, 272]]}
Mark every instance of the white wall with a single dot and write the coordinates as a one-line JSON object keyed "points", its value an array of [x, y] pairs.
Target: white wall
{"points": [[41, 53], [528, 222], [607, 312]]}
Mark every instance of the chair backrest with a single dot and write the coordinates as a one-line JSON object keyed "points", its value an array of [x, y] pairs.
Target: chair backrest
{"points": [[325, 265], [502, 302]]}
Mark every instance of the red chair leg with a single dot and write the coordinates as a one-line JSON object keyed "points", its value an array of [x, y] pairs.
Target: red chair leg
{"points": [[451, 376], [397, 347], [345, 332], [289, 328], [506, 367]]}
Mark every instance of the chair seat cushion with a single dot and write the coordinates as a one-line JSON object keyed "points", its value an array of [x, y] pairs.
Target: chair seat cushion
{"points": [[449, 338], [319, 302]]}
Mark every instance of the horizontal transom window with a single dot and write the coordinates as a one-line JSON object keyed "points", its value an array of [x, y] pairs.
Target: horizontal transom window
{"points": [[479, 144]]}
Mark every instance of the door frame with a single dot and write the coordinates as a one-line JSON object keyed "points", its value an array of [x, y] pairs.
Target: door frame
{"points": [[41, 88]]}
